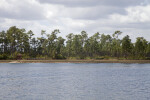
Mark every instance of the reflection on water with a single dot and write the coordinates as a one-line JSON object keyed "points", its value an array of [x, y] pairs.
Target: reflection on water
{"points": [[74, 81]]}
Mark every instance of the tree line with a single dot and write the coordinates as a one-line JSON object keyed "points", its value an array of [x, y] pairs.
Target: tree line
{"points": [[16, 41]]}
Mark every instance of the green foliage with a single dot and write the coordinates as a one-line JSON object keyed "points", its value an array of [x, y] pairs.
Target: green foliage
{"points": [[17, 41], [4, 57], [59, 56], [25, 56], [147, 58], [99, 58], [126, 46], [140, 47]]}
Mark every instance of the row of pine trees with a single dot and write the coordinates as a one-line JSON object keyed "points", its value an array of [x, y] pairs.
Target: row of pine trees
{"points": [[16, 41]]}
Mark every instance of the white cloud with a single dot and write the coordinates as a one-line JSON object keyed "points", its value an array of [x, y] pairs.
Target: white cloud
{"points": [[134, 15], [104, 16]]}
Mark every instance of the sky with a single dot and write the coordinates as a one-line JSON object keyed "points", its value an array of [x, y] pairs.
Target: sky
{"points": [[132, 17]]}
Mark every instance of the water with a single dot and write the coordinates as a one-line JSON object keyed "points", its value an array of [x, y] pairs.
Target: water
{"points": [[74, 81]]}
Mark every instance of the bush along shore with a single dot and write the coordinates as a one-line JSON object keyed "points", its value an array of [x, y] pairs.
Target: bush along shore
{"points": [[16, 43]]}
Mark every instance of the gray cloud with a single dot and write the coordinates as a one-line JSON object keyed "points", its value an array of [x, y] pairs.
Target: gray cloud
{"points": [[77, 15], [21, 10], [84, 3], [92, 9], [91, 13]]}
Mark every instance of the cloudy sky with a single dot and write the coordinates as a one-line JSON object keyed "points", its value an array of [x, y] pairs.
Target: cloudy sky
{"points": [[132, 17]]}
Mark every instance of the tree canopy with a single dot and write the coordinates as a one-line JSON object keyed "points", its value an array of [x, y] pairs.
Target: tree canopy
{"points": [[76, 46]]}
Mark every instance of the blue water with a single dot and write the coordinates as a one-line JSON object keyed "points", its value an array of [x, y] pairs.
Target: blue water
{"points": [[74, 81]]}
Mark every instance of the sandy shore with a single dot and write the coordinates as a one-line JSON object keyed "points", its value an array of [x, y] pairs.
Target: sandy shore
{"points": [[74, 61]]}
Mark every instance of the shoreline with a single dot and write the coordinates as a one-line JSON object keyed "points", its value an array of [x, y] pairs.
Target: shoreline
{"points": [[76, 61]]}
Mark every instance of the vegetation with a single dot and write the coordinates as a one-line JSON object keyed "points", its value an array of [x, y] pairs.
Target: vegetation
{"points": [[16, 41]]}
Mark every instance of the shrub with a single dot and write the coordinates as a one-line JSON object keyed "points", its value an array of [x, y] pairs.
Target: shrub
{"points": [[3, 57], [59, 56], [99, 58], [147, 58]]}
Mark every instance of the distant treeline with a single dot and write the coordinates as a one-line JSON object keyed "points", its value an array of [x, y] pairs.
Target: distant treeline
{"points": [[17, 41]]}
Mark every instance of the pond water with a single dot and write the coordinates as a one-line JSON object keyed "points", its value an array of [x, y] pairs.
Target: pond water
{"points": [[66, 81]]}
